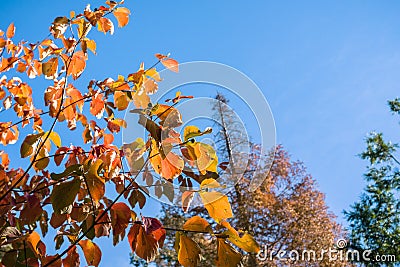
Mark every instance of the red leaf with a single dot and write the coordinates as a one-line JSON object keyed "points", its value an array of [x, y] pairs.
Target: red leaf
{"points": [[60, 154], [46, 260], [151, 224], [144, 245], [72, 259], [120, 217]]}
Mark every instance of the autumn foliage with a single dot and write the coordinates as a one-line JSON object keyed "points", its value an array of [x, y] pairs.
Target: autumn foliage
{"points": [[64, 187]]}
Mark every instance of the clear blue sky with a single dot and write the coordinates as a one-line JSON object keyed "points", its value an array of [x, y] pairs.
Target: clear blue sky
{"points": [[327, 68]]}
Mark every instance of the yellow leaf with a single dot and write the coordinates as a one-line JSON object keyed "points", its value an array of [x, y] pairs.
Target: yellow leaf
{"points": [[217, 205], [83, 27], [245, 242], [152, 73], [189, 252], [209, 183], [227, 255], [122, 16], [168, 115], [196, 223], [204, 156], [192, 131], [55, 138], [91, 44]]}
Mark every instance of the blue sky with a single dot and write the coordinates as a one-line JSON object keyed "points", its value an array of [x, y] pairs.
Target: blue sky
{"points": [[327, 68]]}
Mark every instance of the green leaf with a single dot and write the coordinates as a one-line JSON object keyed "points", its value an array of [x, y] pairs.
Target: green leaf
{"points": [[73, 169], [63, 195]]}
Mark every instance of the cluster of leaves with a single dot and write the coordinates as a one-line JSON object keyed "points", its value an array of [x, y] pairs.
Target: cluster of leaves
{"points": [[375, 218], [287, 212], [73, 200]]}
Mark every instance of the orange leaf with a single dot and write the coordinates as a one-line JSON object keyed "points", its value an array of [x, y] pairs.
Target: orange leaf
{"points": [[122, 16], [170, 64], [91, 44], [21, 67], [108, 139], [169, 166], [196, 223], [69, 110], [5, 161], [227, 255], [105, 25], [187, 198], [91, 251], [150, 86], [189, 252], [76, 65], [34, 241], [121, 100], [141, 99], [75, 96], [10, 30], [97, 105]]}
